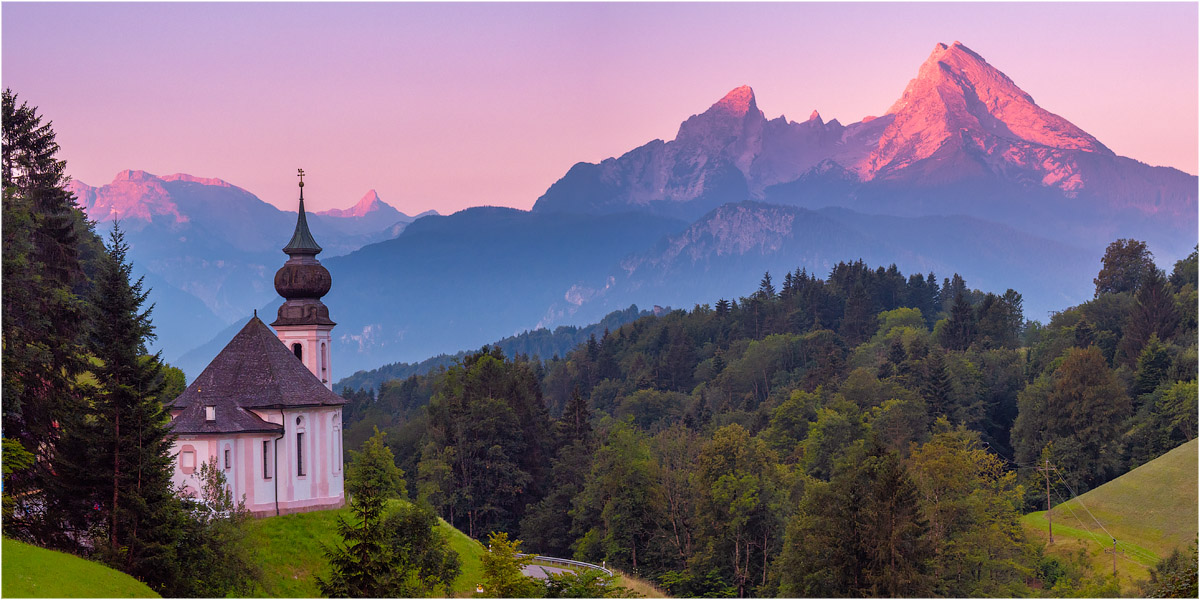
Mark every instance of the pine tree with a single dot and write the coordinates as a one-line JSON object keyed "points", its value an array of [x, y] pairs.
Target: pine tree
{"points": [[766, 289], [364, 565], [576, 419], [43, 317], [116, 463], [960, 329], [1154, 314], [722, 308]]}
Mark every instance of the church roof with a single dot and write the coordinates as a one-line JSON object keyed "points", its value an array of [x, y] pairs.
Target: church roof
{"points": [[302, 241], [255, 370]]}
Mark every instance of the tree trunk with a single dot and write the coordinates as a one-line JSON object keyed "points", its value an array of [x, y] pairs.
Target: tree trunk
{"points": [[112, 534]]}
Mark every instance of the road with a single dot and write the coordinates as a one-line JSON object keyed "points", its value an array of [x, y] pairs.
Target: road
{"points": [[543, 572]]}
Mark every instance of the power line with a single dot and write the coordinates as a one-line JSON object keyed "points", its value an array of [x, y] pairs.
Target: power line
{"points": [[1076, 498], [1145, 555]]}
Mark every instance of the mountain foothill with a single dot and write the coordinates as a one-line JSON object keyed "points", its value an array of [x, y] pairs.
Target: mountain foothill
{"points": [[963, 174]]}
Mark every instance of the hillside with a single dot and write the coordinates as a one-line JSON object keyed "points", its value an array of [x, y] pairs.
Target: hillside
{"points": [[32, 572], [1150, 510], [290, 551], [542, 343]]}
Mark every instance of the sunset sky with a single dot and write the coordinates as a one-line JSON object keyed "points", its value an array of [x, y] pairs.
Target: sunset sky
{"points": [[449, 105]]}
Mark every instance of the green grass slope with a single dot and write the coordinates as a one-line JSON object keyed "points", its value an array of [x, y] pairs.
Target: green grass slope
{"points": [[1149, 510], [289, 551], [32, 572]]}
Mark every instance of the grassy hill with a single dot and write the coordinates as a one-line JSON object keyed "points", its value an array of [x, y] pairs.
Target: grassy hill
{"points": [[1149, 510], [289, 551], [32, 572]]}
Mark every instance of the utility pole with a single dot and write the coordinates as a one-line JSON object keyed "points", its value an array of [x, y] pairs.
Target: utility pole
{"points": [[1049, 518], [1114, 557]]}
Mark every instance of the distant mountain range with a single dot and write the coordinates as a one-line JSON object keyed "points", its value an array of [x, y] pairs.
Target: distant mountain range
{"points": [[964, 173], [209, 249], [962, 139]]}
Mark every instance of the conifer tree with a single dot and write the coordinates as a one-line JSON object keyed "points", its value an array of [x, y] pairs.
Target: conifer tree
{"points": [[43, 316], [364, 564], [115, 463]]}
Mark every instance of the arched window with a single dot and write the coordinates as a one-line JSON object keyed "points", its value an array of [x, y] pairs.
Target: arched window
{"points": [[324, 364], [298, 351], [300, 446]]}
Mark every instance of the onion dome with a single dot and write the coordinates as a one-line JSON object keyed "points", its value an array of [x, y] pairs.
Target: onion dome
{"points": [[302, 280]]}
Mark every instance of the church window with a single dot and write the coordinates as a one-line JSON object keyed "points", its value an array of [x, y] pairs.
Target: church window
{"points": [[337, 449], [266, 459], [324, 364], [210, 413], [300, 453], [298, 350], [228, 462], [187, 461]]}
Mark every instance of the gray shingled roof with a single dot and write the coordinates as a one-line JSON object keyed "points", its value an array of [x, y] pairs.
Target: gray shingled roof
{"points": [[255, 370]]}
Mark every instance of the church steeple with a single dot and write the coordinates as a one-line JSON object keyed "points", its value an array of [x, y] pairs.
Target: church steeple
{"points": [[302, 240], [303, 324]]}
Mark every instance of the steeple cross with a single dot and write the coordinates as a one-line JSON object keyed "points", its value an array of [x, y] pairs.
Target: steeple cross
{"points": [[301, 176]]}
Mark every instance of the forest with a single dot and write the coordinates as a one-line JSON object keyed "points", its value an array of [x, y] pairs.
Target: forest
{"points": [[863, 434]]}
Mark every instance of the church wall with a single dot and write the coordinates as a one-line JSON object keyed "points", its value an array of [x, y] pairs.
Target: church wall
{"points": [[316, 343]]}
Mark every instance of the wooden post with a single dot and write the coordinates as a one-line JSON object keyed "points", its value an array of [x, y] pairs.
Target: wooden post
{"points": [[1049, 517]]}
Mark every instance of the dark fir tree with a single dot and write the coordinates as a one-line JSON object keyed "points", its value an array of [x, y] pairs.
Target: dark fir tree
{"points": [[115, 462], [365, 564], [959, 330], [44, 236], [1154, 314]]}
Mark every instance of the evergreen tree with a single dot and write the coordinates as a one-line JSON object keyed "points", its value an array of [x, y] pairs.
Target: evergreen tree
{"points": [[44, 237], [365, 565], [935, 384], [1152, 366], [959, 330], [766, 289], [115, 463], [1154, 314]]}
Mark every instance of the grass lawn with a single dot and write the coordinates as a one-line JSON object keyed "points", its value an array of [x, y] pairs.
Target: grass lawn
{"points": [[289, 552], [1149, 510], [32, 572]]}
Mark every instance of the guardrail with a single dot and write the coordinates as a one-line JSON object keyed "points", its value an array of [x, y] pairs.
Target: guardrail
{"points": [[568, 562]]}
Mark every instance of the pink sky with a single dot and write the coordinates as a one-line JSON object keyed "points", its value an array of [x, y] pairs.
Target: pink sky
{"points": [[449, 105]]}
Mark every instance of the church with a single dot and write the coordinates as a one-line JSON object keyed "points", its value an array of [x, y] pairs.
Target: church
{"points": [[264, 409]]}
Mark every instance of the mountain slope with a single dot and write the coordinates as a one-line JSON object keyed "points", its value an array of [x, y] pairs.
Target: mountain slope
{"points": [[963, 138], [731, 247], [213, 242], [460, 281], [1151, 510]]}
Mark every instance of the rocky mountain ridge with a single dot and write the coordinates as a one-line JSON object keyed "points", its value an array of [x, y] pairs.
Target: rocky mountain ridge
{"points": [[963, 138]]}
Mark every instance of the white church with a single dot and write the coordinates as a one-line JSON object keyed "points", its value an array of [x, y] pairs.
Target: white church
{"points": [[264, 409]]}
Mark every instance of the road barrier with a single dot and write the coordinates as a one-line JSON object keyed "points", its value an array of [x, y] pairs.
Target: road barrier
{"points": [[569, 563]]}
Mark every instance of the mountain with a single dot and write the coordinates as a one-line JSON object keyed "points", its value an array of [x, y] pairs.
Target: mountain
{"points": [[368, 217], [449, 283], [209, 248], [542, 343], [730, 248], [963, 138]]}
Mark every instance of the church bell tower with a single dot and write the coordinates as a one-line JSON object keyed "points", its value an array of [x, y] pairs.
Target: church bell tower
{"points": [[303, 323]]}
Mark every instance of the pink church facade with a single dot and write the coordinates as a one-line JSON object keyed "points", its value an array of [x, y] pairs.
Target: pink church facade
{"points": [[263, 410]]}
